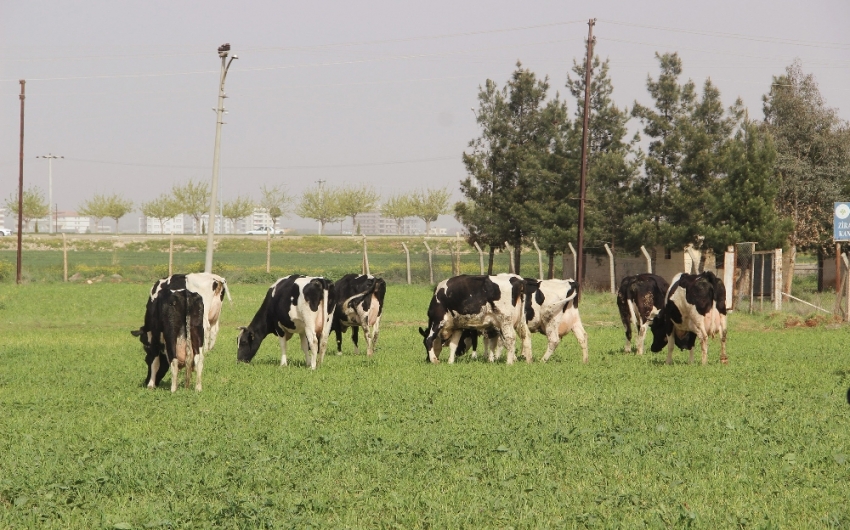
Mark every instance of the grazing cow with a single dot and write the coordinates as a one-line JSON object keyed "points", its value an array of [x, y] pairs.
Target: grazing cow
{"points": [[695, 307], [295, 304], [478, 303], [173, 334], [212, 289], [359, 303], [639, 299], [469, 341], [551, 308]]}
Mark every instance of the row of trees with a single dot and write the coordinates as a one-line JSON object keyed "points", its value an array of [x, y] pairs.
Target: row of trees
{"points": [[710, 176], [324, 204]]}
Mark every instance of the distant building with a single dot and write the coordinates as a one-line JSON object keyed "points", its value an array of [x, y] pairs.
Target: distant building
{"points": [[149, 225], [71, 221], [373, 223]]}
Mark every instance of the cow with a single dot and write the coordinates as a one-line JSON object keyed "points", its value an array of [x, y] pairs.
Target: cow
{"points": [[212, 289], [359, 303], [294, 304], [469, 341], [639, 299], [695, 307], [173, 333], [478, 303], [551, 308]]}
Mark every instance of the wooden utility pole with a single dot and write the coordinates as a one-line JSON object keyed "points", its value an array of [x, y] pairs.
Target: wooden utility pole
{"points": [[583, 193], [21, 184]]}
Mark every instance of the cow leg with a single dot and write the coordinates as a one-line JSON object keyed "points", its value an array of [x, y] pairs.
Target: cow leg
{"points": [[703, 342], [641, 336], [670, 349], [213, 335], [282, 339], [199, 368], [310, 340], [723, 358], [367, 333], [627, 322], [581, 337], [510, 343], [190, 364], [355, 331], [338, 332], [154, 370], [174, 371], [525, 336], [453, 343]]}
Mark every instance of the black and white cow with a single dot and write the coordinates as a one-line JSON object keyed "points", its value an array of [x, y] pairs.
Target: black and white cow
{"points": [[212, 289], [359, 304], [479, 303], [295, 304], [639, 299], [551, 308], [695, 307], [173, 333]]}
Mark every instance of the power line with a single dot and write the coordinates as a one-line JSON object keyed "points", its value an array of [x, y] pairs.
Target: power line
{"points": [[723, 34], [303, 166]]}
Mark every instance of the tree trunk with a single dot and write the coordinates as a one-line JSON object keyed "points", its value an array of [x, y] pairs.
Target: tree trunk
{"points": [[427, 227], [551, 253], [321, 227], [517, 254], [490, 260], [792, 259]]}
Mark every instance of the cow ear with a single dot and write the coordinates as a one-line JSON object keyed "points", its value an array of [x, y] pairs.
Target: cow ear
{"points": [[136, 332], [422, 332]]}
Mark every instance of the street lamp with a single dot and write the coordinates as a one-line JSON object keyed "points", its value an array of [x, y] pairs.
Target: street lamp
{"points": [[50, 157], [219, 110]]}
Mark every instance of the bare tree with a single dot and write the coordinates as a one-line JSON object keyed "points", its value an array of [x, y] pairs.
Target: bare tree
{"points": [[275, 201], [429, 204], [238, 208], [194, 199], [321, 204], [162, 208]]}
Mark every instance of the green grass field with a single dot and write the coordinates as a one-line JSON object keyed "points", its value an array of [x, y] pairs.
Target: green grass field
{"points": [[393, 442]]}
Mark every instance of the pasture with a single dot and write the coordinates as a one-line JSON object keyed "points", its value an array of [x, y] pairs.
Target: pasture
{"points": [[391, 441]]}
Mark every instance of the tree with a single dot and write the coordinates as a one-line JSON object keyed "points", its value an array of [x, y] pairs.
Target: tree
{"points": [[322, 204], [397, 208], [672, 103], [429, 204], [238, 208], [194, 199], [117, 207], [96, 207], [275, 201], [162, 208], [813, 158], [356, 200], [35, 206], [613, 163], [520, 131]]}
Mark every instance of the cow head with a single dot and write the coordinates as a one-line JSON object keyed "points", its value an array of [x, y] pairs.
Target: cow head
{"points": [[432, 341], [247, 344]]}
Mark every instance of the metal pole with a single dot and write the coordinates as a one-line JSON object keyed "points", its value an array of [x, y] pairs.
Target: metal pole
{"points": [[21, 183], [50, 157], [219, 110], [584, 133]]}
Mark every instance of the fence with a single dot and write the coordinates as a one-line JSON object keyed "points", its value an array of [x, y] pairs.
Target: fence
{"points": [[753, 278]]}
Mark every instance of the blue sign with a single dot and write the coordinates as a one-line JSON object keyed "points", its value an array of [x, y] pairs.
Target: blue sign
{"points": [[841, 221]]}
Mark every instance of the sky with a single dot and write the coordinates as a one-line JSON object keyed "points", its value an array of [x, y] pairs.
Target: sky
{"points": [[354, 92]]}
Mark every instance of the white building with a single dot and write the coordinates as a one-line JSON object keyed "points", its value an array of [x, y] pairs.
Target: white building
{"points": [[70, 221], [149, 225], [373, 223]]}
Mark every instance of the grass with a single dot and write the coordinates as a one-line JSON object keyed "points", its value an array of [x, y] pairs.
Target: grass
{"points": [[391, 441]]}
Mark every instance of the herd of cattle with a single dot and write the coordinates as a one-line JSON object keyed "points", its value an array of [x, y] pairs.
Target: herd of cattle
{"points": [[183, 310]]}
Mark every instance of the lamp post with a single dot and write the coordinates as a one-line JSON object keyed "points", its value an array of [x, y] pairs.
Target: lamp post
{"points": [[219, 110], [50, 157]]}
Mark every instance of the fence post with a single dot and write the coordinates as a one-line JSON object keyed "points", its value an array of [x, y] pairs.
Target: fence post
{"points": [[365, 258], [847, 292], [539, 259], [573, 250], [648, 259], [511, 268], [64, 258], [480, 257], [430, 262], [407, 256], [171, 253], [777, 279], [268, 251], [729, 275], [611, 268], [694, 259]]}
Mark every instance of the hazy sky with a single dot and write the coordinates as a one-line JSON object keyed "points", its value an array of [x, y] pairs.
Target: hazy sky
{"points": [[347, 92]]}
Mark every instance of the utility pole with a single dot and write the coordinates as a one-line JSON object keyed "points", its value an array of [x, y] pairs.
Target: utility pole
{"points": [[21, 184], [583, 194], [50, 157], [219, 110], [321, 183]]}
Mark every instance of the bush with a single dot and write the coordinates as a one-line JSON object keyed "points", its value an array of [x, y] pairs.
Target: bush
{"points": [[6, 270]]}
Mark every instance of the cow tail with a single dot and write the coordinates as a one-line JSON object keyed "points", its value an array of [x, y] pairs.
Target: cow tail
{"points": [[227, 292]]}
